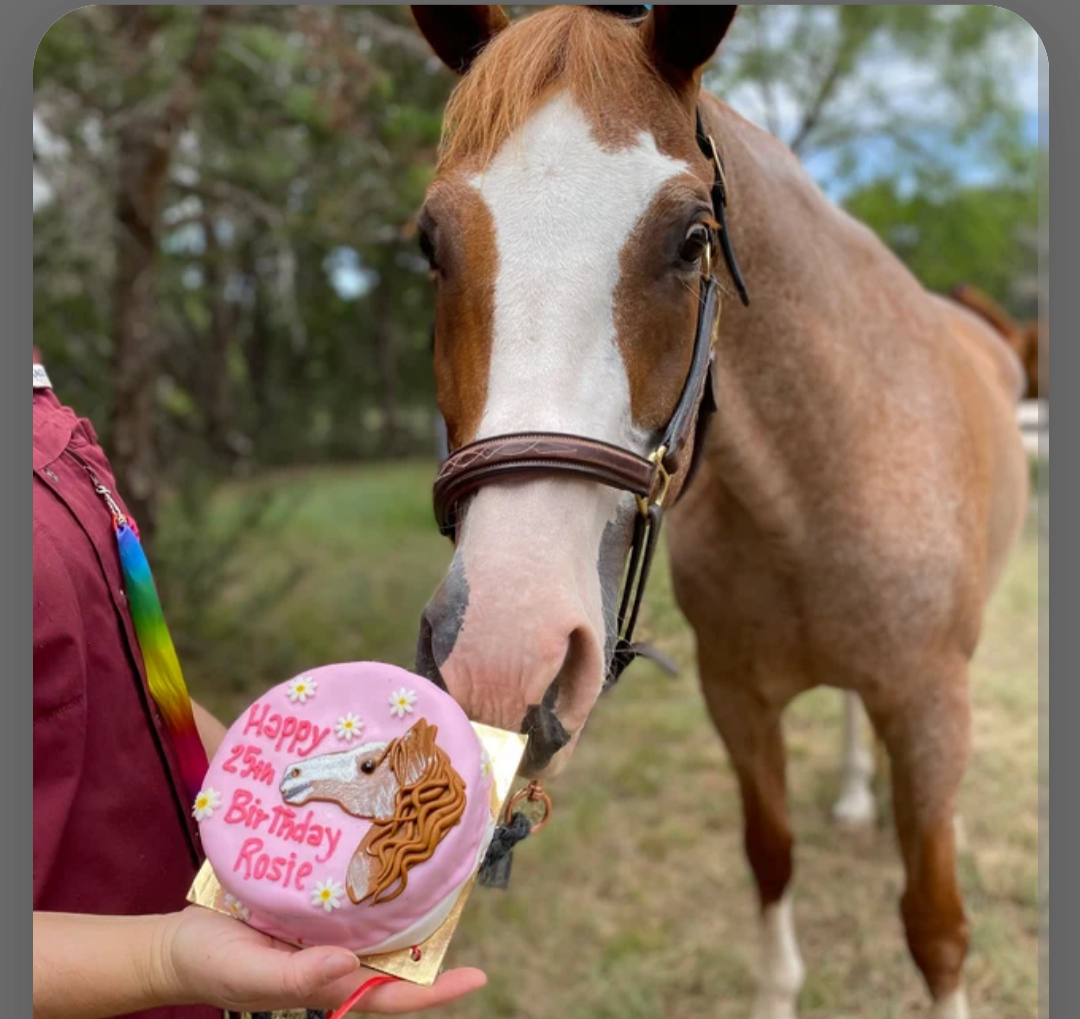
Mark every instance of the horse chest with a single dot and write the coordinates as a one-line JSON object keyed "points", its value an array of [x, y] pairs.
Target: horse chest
{"points": [[830, 601]]}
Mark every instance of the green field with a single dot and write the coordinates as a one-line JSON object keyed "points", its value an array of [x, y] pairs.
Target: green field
{"points": [[636, 902]]}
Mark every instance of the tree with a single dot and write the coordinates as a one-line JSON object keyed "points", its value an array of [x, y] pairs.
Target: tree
{"points": [[145, 145], [291, 171], [912, 86], [973, 235], [291, 314]]}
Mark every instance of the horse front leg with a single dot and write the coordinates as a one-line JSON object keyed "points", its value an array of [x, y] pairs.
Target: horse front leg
{"points": [[751, 731], [927, 737]]}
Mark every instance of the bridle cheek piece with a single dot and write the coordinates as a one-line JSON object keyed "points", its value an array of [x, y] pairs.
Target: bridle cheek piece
{"points": [[648, 479]]}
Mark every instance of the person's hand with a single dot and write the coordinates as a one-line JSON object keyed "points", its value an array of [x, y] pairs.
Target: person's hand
{"points": [[206, 958]]}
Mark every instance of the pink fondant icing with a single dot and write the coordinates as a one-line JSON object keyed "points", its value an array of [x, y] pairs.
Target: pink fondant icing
{"points": [[271, 855]]}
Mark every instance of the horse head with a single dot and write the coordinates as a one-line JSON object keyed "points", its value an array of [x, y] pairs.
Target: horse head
{"points": [[568, 227], [364, 782]]}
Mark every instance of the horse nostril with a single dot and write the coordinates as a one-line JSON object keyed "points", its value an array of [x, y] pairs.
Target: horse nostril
{"points": [[441, 623], [426, 665]]}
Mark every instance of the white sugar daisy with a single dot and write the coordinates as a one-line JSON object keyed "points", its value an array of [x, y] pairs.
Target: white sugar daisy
{"points": [[402, 701], [300, 689], [234, 907], [327, 895], [348, 727], [485, 764], [205, 804]]}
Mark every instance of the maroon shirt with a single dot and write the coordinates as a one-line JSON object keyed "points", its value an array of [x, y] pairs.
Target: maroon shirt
{"points": [[113, 833]]}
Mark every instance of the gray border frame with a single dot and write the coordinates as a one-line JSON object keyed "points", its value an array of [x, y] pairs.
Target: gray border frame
{"points": [[1053, 20], [1043, 497]]}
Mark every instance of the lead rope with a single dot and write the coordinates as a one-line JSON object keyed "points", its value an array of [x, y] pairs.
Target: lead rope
{"points": [[516, 827]]}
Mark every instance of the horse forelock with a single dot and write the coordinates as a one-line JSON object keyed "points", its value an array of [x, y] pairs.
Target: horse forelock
{"points": [[593, 56]]}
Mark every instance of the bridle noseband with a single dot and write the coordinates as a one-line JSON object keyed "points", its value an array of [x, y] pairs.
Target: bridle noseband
{"points": [[648, 479]]}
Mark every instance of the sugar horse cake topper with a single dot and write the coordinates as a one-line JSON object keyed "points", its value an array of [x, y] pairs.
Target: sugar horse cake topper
{"points": [[407, 787]]}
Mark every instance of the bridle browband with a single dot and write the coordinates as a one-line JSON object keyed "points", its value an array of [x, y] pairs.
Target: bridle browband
{"points": [[648, 479]]}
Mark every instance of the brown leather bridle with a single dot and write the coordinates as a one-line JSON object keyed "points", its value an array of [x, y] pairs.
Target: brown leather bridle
{"points": [[648, 479]]}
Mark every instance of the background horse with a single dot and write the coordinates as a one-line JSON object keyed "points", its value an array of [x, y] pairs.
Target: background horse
{"points": [[1024, 340], [860, 485]]}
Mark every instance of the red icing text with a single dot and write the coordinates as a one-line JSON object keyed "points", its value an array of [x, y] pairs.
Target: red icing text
{"points": [[255, 768], [298, 735], [253, 863], [284, 823]]}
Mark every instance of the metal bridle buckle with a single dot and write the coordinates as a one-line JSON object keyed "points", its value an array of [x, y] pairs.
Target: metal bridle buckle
{"points": [[718, 165], [660, 488], [532, 793]]}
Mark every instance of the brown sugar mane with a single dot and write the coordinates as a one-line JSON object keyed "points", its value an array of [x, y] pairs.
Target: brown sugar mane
{"points": [[425, 811], [590, 53]]}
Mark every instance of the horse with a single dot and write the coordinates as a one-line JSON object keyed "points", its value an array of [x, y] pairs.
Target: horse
{"points": [[1024, 339], [406, 786], [855, 492]]}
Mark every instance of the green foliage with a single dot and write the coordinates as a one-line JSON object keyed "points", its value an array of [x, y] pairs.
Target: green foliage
{"points": [[970, 235], [312, 142], [315, 132], [919, 80], [201, 560]]}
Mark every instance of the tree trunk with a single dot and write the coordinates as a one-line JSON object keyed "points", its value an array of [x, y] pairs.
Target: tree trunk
{"points": [[382, 307], [219, 340], [135, 351], [146, 146]]}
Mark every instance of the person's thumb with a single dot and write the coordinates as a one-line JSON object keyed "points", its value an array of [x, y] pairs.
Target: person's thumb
{"points": [[299, 978]]}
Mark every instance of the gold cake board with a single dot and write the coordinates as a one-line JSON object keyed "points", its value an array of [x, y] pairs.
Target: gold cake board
{"points": [[420, 966]]}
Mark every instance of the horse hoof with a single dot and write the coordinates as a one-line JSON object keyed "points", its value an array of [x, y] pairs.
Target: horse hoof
{"points": [[953, 1007], [772, 1007], [855, 809]]}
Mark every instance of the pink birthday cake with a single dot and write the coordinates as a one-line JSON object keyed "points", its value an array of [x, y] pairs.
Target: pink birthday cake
{"points": [[349, 806]]}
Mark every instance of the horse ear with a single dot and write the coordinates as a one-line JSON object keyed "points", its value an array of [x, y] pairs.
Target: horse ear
{"points": [[458, 33], [417, 750], [682, 39]]}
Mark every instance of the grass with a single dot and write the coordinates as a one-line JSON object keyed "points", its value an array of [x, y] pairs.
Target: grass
{"points": [[636, 902]]}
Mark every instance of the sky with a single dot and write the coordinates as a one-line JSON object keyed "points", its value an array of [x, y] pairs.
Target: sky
{"points": [[913, 89]]}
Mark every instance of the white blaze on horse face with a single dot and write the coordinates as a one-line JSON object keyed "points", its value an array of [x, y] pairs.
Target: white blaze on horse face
{"points": [[563, 208]]}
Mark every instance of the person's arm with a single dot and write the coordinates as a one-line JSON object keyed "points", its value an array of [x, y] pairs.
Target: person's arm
{"points": [[211, 731], [92, 967]]}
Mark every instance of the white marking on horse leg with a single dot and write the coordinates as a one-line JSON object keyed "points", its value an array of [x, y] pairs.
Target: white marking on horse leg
{"points": [[856, 805], [781, 973], [955, 1006]]}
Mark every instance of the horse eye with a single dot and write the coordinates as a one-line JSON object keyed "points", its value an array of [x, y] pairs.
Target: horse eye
{"points": [[694, 245], [295, 773], [427, 248], [367, 767]]}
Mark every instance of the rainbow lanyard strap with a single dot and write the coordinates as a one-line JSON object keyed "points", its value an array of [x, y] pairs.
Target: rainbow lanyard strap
{"points": [[163, 674]]}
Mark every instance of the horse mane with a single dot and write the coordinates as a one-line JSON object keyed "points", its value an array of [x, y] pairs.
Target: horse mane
{"points": [[429, 802], [587, 51], [982, 305]]}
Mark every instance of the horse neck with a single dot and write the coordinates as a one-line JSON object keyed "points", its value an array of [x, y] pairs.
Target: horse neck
{"points": [[797, 371]]}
